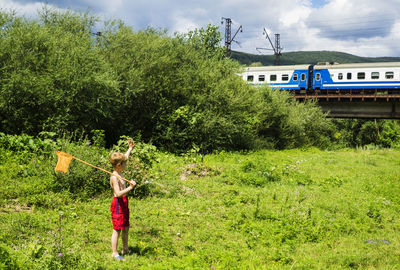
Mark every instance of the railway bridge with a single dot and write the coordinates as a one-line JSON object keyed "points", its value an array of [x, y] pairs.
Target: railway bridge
{"points": [[375, 103]]}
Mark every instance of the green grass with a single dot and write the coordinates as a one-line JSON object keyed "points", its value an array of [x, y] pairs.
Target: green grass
{"points": [[293, 209]]}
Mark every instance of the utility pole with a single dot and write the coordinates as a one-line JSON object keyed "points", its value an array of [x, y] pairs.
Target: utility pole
{"points": [[276, 48], [98, 34], [228, 39]]}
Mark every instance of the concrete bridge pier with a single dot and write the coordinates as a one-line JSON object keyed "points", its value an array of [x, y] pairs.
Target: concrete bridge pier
{"points": [[362, 109]]}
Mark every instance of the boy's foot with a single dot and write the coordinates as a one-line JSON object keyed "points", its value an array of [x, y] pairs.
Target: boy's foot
{"points": [[127, 252], [119, 258]]}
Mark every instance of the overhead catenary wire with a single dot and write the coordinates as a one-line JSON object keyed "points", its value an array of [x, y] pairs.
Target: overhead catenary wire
{"points": [[365, 31]]}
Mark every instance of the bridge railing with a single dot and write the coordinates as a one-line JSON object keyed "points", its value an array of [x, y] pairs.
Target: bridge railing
{"points": [[337, 95]]}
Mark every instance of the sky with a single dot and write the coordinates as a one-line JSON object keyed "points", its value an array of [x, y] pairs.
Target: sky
{"points": [[369, 28]]}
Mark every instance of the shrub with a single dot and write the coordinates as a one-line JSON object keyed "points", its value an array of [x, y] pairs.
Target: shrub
{"points": [[26, 144], [359, 132], [52, 75], [176, 92], [84, 181], [6, 261], [286, 123]]}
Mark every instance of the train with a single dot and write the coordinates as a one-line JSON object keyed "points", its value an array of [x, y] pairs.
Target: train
{"points": [[328, 76]]}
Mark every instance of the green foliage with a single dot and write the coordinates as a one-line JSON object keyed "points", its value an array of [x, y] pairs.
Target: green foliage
{"points": [[288, 124], [27, 144], [321, 209], [180, 91], [52, 76], [98, 138], [177, 92], [146, 154], [82, 180], [382, 133], [389, 133], [42, 186], [6, 261], [206, 40]]}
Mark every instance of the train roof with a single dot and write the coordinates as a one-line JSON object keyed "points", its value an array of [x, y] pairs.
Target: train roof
{"points": [[276, 68], [357, 65], [327, 65]]}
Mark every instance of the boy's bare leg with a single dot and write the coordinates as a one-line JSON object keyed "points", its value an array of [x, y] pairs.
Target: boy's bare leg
{"points": [[125, 248], [114, 242]]}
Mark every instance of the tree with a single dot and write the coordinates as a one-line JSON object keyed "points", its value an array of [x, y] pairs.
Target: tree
{"points": [[52, 76]]}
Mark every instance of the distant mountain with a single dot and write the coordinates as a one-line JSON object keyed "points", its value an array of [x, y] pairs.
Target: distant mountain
{"points": [[307, 57]]}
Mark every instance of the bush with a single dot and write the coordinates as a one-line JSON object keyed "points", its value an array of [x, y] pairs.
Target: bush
{"points": [[52, 75], [26, 144], [286, 123], [33, 161], [176, 92], [6, 261], [359, 132], [84, 181]]}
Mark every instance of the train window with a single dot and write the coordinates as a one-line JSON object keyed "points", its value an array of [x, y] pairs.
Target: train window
{"points": [[375, 75], [261, 78], [285, 77], [318, 76], [250, 78], [295, 77], [340, 76], [389, 75], [303, 77], [349, 76], [361, 75], [272, 78]]}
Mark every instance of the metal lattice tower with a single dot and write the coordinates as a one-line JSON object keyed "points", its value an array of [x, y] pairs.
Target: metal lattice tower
{"points": [[228, 42], [276, 48], [228, 35]]}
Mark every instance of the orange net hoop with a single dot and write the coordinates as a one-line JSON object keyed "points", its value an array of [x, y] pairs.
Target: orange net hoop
{"points": [[63, 161]]}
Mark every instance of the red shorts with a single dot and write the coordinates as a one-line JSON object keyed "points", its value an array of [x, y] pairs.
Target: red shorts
{"points": [[120, 213]]}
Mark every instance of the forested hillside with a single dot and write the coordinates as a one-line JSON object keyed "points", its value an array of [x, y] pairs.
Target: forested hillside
{"points": [[307, 57]]}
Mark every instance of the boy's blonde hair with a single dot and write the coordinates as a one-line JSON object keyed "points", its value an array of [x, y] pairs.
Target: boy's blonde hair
{"points": [[116, 158]]}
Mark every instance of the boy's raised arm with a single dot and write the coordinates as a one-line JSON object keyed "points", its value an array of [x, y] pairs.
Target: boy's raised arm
{"points": [[131, 144]]}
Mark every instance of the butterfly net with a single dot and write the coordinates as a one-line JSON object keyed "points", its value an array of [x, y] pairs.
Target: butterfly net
{"points": [[63, 162]]}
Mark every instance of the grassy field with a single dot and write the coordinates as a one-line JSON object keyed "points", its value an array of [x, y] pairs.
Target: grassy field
{"points": [[293, 209]]}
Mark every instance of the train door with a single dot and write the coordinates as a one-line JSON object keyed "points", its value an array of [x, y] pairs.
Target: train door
{"points": [[303, 80], [317, 83]]}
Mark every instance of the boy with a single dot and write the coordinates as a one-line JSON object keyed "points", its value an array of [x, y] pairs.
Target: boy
{"points": [[119, 205]]}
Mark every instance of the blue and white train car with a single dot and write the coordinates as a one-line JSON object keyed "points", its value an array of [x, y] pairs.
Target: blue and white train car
{"points": [[327, 76], [295, 77], [357, 76]]}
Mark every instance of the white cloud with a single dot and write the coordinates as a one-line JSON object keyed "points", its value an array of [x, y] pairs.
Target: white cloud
{"points": [[29, 9], [182, 24], [361, 27], [295, 16]]}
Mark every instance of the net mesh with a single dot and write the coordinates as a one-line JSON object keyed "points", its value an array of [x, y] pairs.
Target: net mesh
{"points": [[63, 162]]}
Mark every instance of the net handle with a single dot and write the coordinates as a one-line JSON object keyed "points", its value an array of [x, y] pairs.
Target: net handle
{"points": [[101, 169]]}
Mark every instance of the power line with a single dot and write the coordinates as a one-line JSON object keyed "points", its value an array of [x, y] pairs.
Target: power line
{"points": [[368, 28]]}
